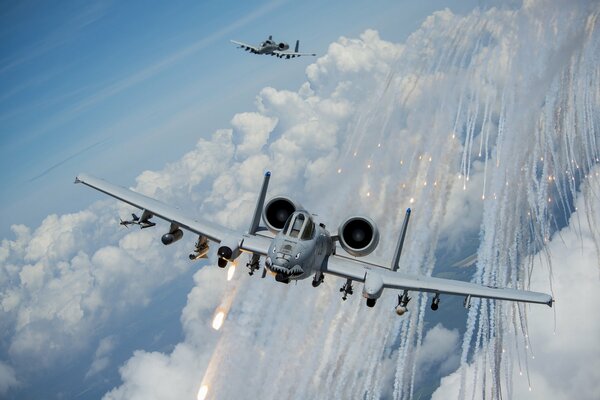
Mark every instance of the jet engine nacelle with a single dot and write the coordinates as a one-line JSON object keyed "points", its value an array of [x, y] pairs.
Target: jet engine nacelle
{"points": [[359, 236], [283, 46], [171, 237], [277, 211]]}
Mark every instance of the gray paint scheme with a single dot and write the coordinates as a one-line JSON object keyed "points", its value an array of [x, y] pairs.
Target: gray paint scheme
{"points": [[270, 47], [290, 256]]}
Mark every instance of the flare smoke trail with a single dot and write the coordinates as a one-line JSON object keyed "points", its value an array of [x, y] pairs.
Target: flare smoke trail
{"points": [[500, 100]]}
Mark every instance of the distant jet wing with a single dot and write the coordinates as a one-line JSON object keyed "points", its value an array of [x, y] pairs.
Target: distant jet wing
{"points": [[245, 46], [291, 54], [357, 270], [200, 226]]}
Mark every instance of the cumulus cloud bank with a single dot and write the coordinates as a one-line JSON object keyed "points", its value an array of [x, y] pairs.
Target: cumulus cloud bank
{"points": [[8, 378], [366, 95]]}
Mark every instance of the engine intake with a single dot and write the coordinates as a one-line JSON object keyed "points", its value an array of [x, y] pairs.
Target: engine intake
{"points": [[283, 46], [359, 236], [277, 211], [171, 237]]}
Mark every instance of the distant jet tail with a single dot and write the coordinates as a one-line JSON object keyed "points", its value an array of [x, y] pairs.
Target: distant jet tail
{"points": [[297, 46], [270, 37]]}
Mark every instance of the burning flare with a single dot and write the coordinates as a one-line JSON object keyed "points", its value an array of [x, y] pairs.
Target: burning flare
{"points": [[230, 272], [218, 321], [202, 392]]}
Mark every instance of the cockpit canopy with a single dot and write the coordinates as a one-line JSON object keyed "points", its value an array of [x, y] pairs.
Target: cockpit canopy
{"points": [[300, 225]]}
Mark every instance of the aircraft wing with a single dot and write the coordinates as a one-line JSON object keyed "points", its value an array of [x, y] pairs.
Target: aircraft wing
{"points": [[245, 46], [357, 270], [291, 54], [214, 232]]}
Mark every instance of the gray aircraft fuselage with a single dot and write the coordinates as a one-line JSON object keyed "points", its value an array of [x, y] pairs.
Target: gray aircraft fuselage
{"points": [[300, 249], [269, 46]]}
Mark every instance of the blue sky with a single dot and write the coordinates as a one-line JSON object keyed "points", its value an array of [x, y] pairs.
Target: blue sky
{"points": [[115, 88]]}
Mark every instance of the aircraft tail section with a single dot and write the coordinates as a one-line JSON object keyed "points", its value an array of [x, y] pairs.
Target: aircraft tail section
{"points": [[297, 46], [396, 260]]}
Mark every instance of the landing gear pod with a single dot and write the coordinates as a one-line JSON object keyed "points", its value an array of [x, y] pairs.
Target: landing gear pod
{"points": [[372, 288], [228, 251]]}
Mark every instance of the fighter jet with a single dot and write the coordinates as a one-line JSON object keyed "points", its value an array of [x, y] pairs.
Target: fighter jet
{"points": [[270, 47], [295, 246]]}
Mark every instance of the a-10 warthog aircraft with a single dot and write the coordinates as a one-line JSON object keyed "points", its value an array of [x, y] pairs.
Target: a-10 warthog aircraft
{"points": [[295, 247], [272, 48]]}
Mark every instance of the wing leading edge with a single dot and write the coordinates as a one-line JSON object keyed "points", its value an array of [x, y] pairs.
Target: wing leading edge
{"points": [[244, 46], [358, 271], [200, 226]]}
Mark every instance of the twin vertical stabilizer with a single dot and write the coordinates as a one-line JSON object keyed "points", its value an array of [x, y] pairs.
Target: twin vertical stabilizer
{"points": [[260, 203], [396, 259]]}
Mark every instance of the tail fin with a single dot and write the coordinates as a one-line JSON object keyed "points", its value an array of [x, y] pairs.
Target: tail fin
{"points": [[260, 203], [395, 261], [270, 37], [297, 46]]}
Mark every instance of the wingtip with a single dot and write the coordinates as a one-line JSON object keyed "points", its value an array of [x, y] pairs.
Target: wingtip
{"points": [[81, 178], [78, 179]]}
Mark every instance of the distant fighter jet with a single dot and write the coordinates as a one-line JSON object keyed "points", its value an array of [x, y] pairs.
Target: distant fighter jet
{"points": [[297, 248], [269, 47]]}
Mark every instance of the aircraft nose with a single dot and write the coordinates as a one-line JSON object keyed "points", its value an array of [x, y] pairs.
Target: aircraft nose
{"points": [[285, 268], [283, 258]]}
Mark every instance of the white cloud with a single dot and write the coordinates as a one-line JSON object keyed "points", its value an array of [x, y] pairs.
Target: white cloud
{"points": [[8, 378], [101, 356], [439, 351], [562, 363], [58, 286], [300, 135], [253, 130], [384, 115], [153, 375], [567, 359]]}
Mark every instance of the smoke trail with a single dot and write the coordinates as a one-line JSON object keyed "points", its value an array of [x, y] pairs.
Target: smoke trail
{"points": [[499, 100], [552, 155]]}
